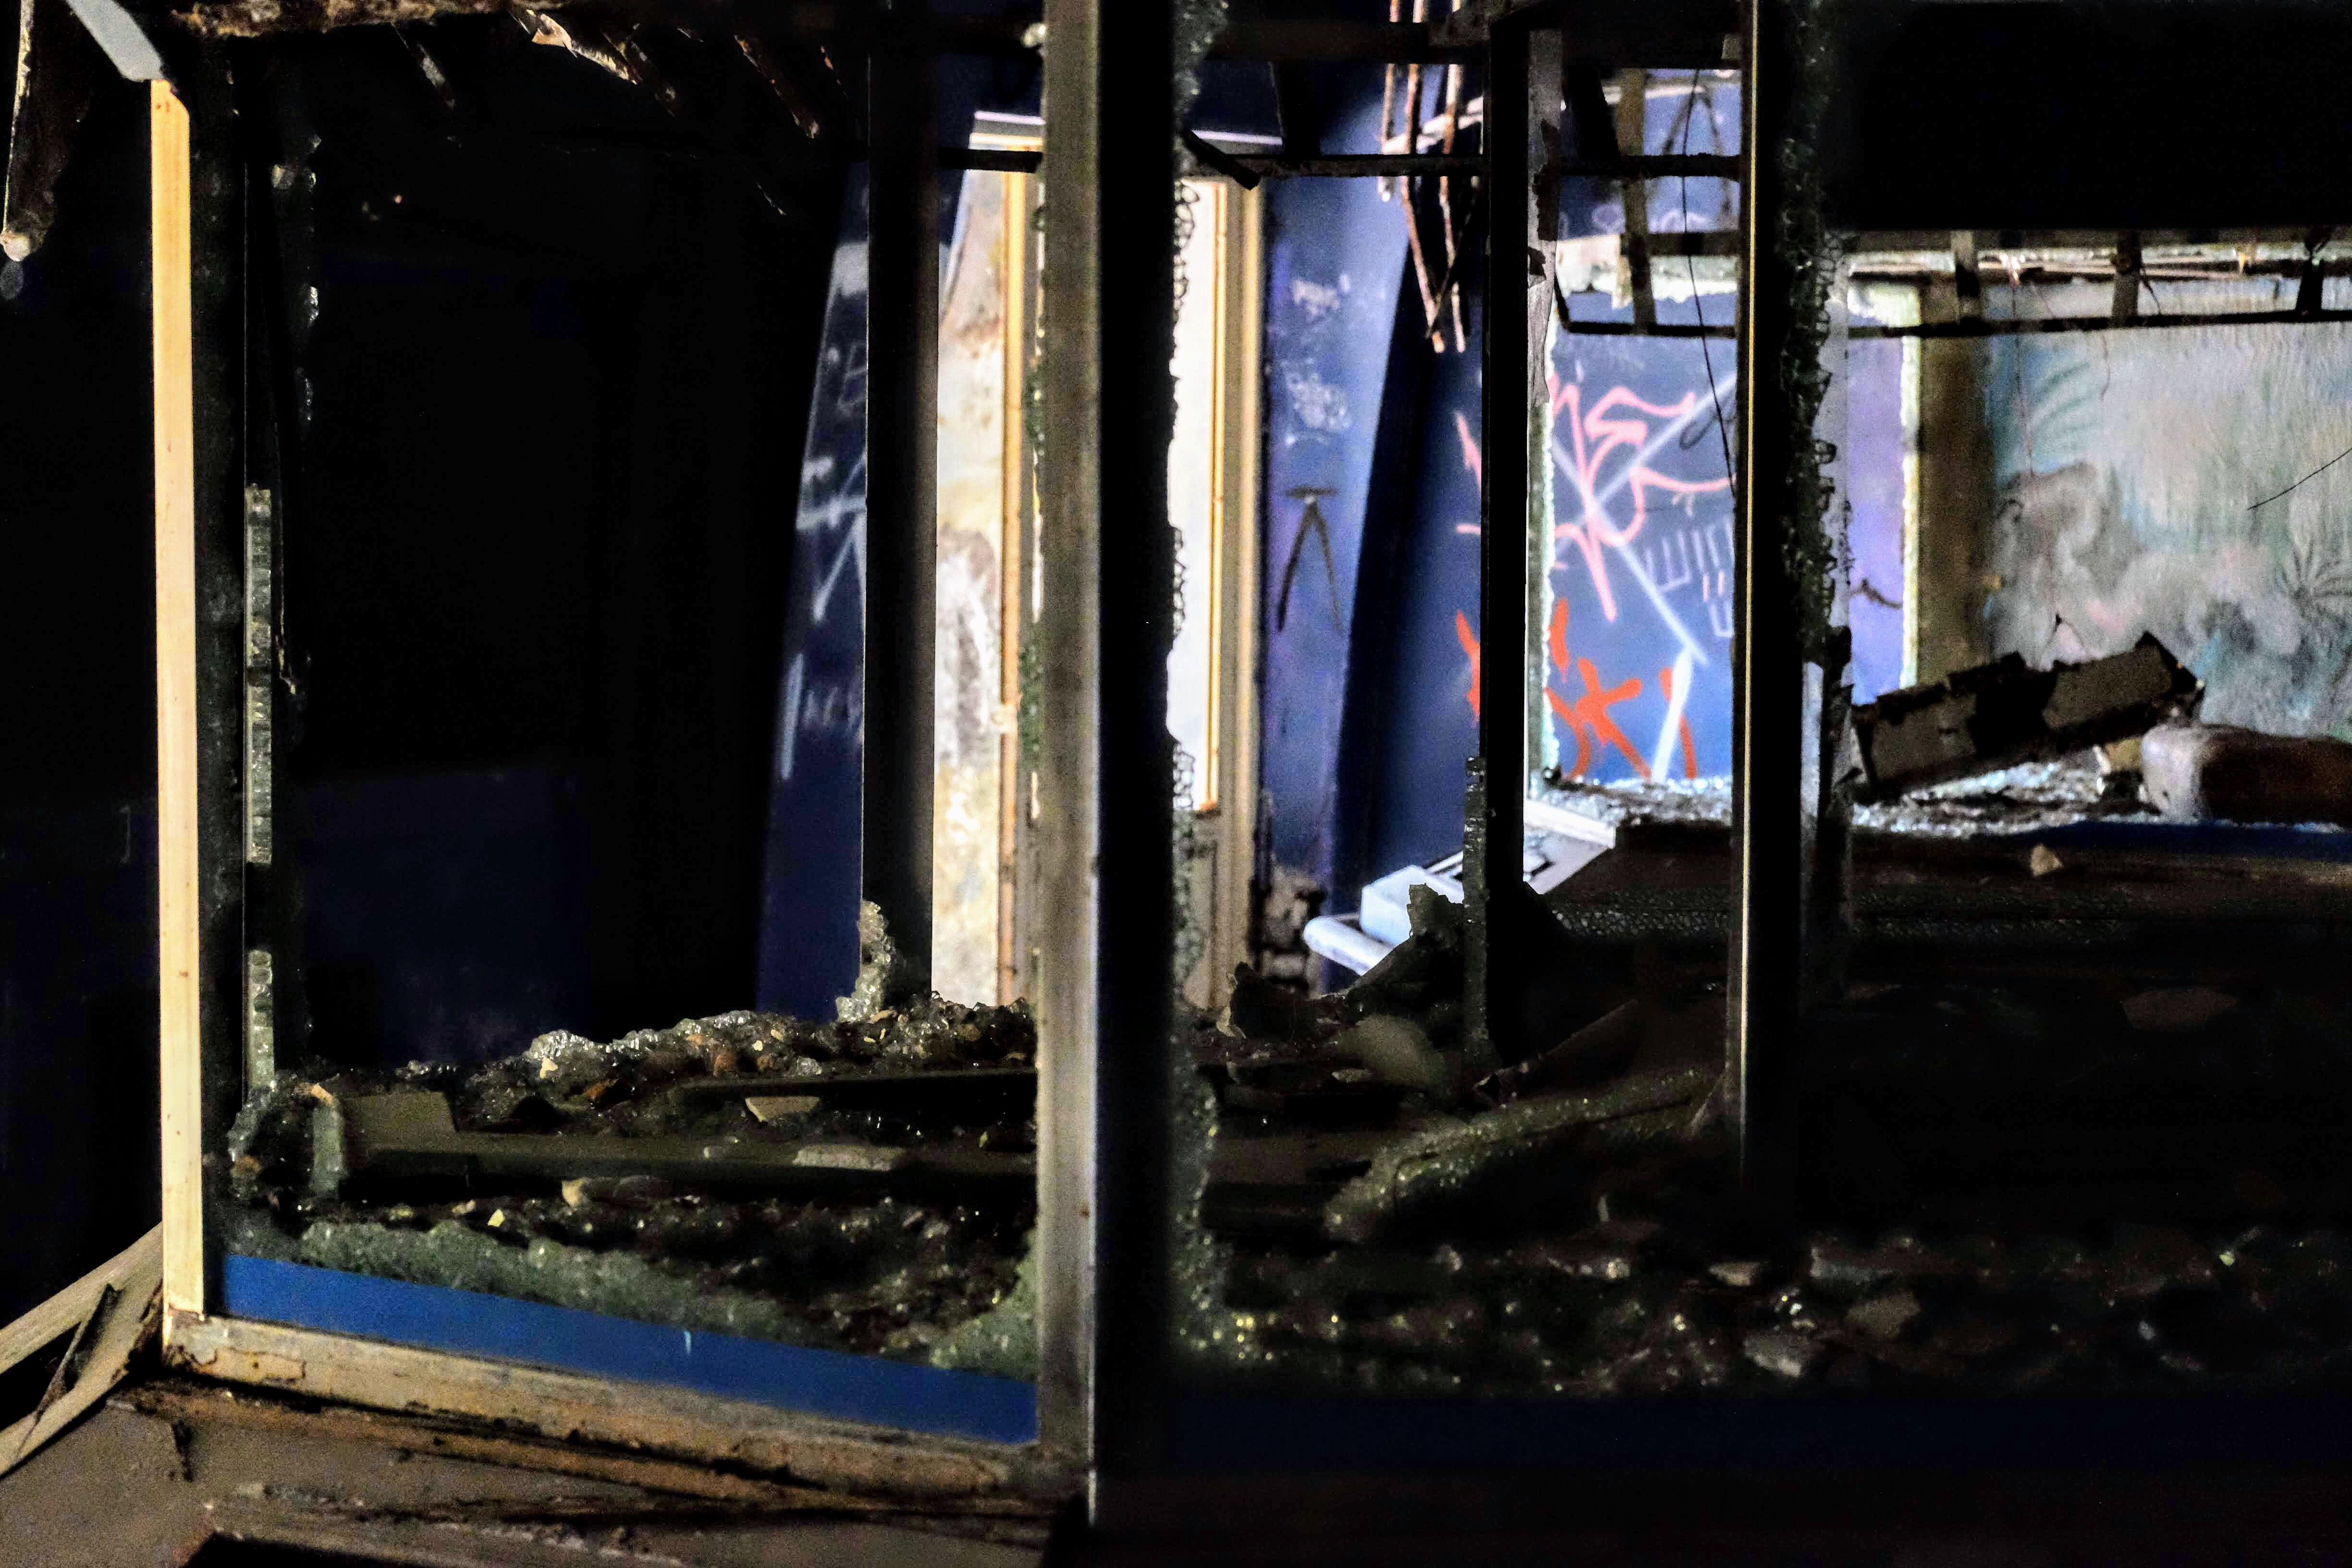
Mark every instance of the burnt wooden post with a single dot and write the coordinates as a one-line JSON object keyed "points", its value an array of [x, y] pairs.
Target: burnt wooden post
{"points": [[1523, 96], [1768, 809]]}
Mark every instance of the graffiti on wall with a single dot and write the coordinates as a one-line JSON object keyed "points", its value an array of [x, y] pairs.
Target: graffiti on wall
{"points": [[808, 935], [1642, 542]]}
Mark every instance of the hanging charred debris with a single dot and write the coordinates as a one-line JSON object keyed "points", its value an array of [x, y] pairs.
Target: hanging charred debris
{"points": [[772, 86], [2000, 714]]}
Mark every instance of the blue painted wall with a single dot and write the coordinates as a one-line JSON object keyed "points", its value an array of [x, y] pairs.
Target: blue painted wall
{"points": [[808, 932], [1642, 556], [1336, 255], [1877, 448]]}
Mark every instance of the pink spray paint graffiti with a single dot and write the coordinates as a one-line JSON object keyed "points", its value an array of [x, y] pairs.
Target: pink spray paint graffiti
{"points": [[1601, 453], [1594, 435]]}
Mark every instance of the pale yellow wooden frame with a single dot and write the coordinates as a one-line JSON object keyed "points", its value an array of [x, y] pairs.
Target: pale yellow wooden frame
{"points": [[177, 913], [1013, 550], [1233, 723]]}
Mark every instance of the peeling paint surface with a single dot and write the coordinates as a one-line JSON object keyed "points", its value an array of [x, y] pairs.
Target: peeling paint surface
{"points": [[967, 779], [2128, 467]]}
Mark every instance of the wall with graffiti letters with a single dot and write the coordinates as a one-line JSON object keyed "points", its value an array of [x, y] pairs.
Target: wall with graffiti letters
{"points": [[1637, 623], [1637, 627], [808, 933]]}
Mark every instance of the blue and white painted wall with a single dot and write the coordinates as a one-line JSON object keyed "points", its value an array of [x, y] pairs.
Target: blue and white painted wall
{"points": [[2138, 481]]}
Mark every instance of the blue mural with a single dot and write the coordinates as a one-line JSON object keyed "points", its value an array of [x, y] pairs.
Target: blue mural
{"points": [[2188, 483]]}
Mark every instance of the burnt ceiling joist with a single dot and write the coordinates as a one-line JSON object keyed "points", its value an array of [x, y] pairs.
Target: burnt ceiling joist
{"points": [[799, 62]]}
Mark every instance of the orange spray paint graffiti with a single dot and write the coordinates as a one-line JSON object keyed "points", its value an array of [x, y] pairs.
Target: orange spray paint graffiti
{"points": [[1588, 717], [1469, 640]]}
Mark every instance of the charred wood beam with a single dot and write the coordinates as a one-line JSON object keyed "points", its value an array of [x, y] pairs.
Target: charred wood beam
{"points": [[1348, 165], [2000, 714], [1334, 165], [1106, 868], [1213, 158], [783, 83], [2046, 269], [1667, 44], [1008, 160], [2102, 241], [1294, 110], [1524, 100], [259, 18], [2307, 292], [384, 1142], [1653, 166], [1768, 652], [982, 1093], [427, 65], [1982, 327], [1633, 194], [58, 69], [2125, 301]]}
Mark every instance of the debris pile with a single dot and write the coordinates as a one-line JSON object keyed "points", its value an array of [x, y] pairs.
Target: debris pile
{"points": [[1564, 1226], [1638, 1303], [864, 1184]]}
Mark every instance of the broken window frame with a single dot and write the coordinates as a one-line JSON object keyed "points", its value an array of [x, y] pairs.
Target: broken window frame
{"points": [[215, 547]]}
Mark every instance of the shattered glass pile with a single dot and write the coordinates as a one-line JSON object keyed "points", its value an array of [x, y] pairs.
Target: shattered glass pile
{"points": [[934, 1273], [2029, 797], [2161, 1222]]}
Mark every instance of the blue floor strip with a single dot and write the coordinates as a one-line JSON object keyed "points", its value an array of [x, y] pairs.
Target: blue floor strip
{"points": [[834, 1384]]}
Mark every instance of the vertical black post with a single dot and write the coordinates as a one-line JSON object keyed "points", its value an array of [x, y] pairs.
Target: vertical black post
{"points": [[1106, 866], [1767, 654], [216, 299], [1516, 291], [901, 477]]}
